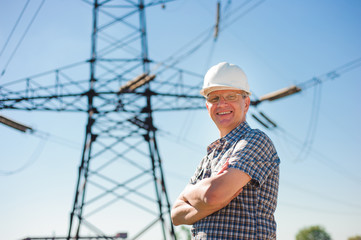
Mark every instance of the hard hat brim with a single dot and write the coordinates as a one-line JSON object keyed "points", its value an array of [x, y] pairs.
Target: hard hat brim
{"points": [[208, 90]]}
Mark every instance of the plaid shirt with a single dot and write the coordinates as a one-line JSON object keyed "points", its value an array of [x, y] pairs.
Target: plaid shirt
{"points": [[251, 214]]}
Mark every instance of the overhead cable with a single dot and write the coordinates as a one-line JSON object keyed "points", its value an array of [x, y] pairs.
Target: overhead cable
{"points": [[320, 195], [22, 38], [44, 138], [325, 160], [312, 127], [332, 74], [316, 209], [13, 30], [206, 35], [227, 21], [218, 15], [33, 158]]}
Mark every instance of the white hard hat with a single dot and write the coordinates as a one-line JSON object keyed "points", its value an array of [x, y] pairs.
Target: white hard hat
{"points": [[225, 76]]}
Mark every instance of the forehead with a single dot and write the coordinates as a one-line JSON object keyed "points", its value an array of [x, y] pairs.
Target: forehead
{"points": [[221, 92]]}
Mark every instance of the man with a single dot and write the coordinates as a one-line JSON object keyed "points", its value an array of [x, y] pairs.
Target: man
{"points": [[233, 194]]}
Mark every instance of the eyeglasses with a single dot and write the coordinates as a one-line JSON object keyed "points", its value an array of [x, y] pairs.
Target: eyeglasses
{"points": [[229, 97]]}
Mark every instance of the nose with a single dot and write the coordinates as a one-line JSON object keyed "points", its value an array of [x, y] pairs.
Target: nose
{"points": [[222, 101]]}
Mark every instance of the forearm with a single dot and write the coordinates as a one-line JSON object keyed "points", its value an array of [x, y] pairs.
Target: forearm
{"points": [[192, 205], [203, 196], [207, 196], [184, 213]]}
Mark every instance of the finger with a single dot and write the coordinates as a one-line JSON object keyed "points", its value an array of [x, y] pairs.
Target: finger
{"points": [[224, 167]]}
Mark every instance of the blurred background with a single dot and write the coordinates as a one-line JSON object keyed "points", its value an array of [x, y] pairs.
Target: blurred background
{"points": [[315, 45]]}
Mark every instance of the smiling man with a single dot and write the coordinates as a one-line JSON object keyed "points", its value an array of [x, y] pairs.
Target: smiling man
{"points": [[233, 193]]}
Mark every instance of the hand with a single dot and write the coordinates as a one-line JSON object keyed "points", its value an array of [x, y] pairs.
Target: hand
{"points": [[224, 167]]}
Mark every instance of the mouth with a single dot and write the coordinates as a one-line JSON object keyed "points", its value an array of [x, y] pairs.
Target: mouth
{"points": [[224, 113]]}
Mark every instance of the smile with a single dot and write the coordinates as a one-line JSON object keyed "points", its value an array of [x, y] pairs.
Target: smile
{"points": [[224, 113]]}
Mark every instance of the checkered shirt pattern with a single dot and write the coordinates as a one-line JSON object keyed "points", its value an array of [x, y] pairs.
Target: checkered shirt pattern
{"points": [[251, 214]]}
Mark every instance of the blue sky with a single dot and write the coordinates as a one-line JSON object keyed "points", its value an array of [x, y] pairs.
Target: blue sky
{"points": [[278, 43]]}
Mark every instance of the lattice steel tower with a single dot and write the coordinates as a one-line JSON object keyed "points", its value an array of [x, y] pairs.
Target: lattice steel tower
{"points": [[120, 176]]}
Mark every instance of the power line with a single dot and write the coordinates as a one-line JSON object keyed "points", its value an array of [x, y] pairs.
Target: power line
{"points": [[312, 127], [33, 158], [331, 75], [44, 137], [206, 35], [336, 73], [13, 30], [318, 194], [240, 15], [316, 209], [291, 139], [56, 139], [331, 164], [22, 38]]}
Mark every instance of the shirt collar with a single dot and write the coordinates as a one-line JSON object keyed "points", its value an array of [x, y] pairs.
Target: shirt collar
{"points": [[232, 136], [237, 132]]}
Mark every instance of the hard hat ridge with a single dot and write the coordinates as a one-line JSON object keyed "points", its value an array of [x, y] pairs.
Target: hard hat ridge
{"points": [[225, 76]]}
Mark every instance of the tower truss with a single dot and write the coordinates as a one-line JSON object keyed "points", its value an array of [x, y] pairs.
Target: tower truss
{"points": [[120, 176]]}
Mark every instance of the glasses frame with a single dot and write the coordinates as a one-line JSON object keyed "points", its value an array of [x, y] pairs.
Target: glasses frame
{"points": [[225, 97]]}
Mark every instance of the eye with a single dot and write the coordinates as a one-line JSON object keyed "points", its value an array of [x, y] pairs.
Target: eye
{"points": [[231, 97], [213, 99]]}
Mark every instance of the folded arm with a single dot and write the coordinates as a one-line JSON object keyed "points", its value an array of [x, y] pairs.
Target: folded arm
{"points": [[208, 196]]}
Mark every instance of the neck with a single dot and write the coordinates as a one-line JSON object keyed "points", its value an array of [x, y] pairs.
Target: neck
{"points": [[224, 132]]}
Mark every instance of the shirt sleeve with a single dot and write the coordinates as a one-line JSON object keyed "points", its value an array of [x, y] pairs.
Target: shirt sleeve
{"points": [[255, 155]]}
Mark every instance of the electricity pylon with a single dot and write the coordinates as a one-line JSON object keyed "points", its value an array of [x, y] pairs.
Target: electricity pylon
{"points": [[120, 175]]}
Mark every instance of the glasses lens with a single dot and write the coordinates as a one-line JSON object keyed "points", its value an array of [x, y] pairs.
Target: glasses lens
{"points": [[213, 99], [231, 97]]}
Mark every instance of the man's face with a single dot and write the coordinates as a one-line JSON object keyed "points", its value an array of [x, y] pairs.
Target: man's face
{"points": [[227, 115]]}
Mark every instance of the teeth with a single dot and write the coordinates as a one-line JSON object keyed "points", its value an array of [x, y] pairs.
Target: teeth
{"points": [[223, 113]]}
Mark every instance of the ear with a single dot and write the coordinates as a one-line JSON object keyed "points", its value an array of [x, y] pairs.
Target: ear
{"points": [[247, 102], [207, 106]]}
